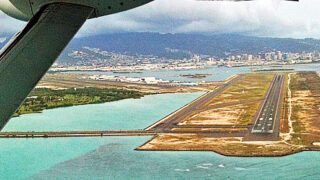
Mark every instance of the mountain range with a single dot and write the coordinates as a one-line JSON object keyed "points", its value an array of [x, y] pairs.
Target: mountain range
{"points": [[183, 45]]}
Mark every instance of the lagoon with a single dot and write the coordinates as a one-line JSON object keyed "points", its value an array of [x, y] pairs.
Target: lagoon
{"points": [[115, 158], [218, 73], [128, 114]]}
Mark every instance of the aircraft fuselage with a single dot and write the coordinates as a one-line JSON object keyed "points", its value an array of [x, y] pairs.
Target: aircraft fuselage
{"points": [[26, 9]]}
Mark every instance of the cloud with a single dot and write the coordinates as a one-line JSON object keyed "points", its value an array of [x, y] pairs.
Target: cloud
{"points": [[2, 39], [9, 25], [272, 18]]}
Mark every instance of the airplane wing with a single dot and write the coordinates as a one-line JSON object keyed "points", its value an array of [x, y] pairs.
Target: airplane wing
{"points": [[29, 55], [240, 0]]}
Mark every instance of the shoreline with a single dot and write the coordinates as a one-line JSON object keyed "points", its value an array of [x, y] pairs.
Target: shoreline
{"points": [[223, 143], [205, 67], [151, 94], [63, 102], [297, 151], [301, 150], [245, 147], [228, 155]]}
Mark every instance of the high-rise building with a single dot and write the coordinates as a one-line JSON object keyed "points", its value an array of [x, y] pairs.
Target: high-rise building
{"points": [[286, 57], [273, 56], [244, 57], [279, 54], [268, 56]]}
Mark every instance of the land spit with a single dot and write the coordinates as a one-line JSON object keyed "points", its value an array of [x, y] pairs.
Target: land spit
{"points": [[222, 120]]}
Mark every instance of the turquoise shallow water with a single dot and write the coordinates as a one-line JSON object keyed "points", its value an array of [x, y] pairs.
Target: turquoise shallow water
{"points": [[125, 114], [114, 158], [117, 160], [21, 158]]}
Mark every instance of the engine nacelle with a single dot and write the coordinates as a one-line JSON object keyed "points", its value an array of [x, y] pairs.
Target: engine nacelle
{"points": [[18, 9]]}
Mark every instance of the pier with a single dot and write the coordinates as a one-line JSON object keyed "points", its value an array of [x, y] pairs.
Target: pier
{"points": [[75, 134]]}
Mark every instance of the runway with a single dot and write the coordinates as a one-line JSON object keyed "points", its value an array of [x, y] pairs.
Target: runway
{"points": [[269, 113], [169, 122], [266, 126]]}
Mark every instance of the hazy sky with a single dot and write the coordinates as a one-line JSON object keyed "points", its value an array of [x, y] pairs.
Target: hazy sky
{"points": [[272, 18]]}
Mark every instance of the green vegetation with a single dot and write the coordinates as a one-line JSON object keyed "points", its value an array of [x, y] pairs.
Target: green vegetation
{"points": [[242, 99], [250, 87], [298, 83], [250, 111], [305, 108], [41, 99]]}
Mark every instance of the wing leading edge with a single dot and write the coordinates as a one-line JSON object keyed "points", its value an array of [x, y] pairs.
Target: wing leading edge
{"points": [[30, 53]]}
